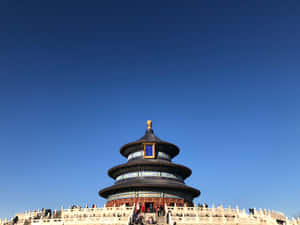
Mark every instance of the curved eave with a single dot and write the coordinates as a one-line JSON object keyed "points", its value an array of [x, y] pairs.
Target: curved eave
{"points": [[164, 146], [150, 164], [151, 184]]}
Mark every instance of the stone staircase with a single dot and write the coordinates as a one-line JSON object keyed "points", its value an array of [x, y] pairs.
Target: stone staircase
{"points": [[160, 220]]}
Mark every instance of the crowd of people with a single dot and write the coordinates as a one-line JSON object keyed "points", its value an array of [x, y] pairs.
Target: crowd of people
{"points": [[140, 209]]}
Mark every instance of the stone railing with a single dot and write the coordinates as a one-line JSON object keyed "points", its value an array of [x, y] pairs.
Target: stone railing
{"points": [[131, 215], [178, 215], [220, 215], [106, 215]]}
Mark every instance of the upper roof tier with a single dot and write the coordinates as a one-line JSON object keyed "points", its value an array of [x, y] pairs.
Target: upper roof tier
{"points": [[149, 137]]}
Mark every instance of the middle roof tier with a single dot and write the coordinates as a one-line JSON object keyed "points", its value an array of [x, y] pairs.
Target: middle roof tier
{"points": [[150, 165]]}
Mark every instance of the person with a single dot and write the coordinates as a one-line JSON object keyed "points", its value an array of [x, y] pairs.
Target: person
{"points": [[143, 208], [140, 219], [157, 210], [16, 219], [168, 214], [151, 220], [134, 216], [251, 211], [161, 210], [138, 209], [151, 208]]}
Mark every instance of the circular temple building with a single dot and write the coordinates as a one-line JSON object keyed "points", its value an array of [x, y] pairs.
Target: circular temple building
{"points": [[149, 177]]}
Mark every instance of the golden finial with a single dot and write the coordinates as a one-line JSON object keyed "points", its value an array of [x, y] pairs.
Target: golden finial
{"points": [[149, 124]]}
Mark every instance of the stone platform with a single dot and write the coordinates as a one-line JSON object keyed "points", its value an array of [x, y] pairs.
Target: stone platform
{"points": [[173, 215]]}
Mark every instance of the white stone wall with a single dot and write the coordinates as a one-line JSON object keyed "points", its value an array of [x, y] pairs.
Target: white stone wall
{"points": [[220, 215], [180, 215], [85, 216]]}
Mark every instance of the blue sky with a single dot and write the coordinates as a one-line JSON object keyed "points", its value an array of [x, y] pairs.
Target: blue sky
{"points": [[220, 79]]}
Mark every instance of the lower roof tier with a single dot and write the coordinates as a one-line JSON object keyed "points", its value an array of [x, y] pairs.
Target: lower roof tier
{"points": [[150, 165], [157, 184]]}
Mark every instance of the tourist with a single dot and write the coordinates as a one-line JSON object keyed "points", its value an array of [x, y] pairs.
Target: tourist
{"points": [[143, 208], [150, 221], [168, 214], [15, 220], [140, 219], [134, 216], [157, 210], [161, 210]]}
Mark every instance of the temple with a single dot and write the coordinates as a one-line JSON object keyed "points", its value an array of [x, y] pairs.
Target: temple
{"points": [[149, 177], [150, 189]]}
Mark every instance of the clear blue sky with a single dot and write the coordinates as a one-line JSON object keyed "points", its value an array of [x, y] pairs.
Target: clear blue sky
{"points": [[78, 79]]}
